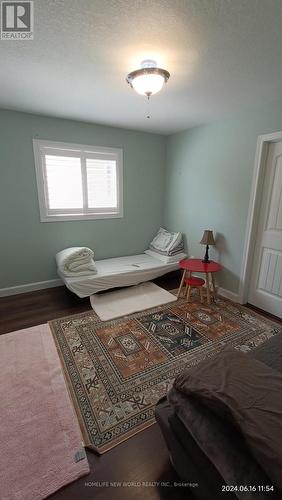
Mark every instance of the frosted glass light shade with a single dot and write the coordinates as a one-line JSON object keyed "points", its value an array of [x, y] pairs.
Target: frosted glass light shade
{"points": [[148, 84], [149, 79]]}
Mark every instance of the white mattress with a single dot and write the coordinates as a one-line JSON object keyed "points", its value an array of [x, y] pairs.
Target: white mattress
{"points": [[118, 272]]}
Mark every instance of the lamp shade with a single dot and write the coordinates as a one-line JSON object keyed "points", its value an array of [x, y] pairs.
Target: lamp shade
{"points": [[207, 238]]}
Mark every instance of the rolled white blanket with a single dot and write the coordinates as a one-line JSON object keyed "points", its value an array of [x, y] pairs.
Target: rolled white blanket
{"points": [[76, 261]]}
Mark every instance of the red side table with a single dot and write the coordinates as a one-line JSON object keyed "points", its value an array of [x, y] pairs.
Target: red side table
{"points": [[198, 266]]}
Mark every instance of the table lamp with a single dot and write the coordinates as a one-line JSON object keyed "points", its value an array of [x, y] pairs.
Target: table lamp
{"points": [[207, 240]]}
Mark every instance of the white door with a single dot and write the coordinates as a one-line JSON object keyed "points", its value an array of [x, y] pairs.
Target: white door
{"points": [[266, 278]]}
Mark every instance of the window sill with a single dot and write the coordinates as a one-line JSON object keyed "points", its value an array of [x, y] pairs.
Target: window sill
{"points": [[73, 217]]}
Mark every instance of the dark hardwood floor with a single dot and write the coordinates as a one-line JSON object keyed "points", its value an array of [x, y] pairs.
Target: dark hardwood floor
{"points": [[141, 459], [35, 308], [264, 313]]}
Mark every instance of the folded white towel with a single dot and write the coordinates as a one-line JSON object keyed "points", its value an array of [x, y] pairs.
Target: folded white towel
{"points": [[76, 261]]}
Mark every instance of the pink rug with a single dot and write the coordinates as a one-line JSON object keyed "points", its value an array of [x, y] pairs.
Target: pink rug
{"points": [[41, 443]]}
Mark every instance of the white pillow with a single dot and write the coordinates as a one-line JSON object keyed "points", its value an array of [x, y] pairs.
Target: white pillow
{"points": [[167, 259], [166, 243]]}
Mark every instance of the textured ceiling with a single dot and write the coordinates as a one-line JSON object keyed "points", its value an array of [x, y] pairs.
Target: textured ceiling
{"points": [[223, 55]]}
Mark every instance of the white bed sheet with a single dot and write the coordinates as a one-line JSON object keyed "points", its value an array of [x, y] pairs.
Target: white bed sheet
{"points": [[118, 272]]}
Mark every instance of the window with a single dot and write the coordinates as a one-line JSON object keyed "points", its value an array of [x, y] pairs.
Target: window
{"points": [[78, 182]]}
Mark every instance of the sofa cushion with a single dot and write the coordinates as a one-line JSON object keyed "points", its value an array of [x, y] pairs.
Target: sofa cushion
{"points": [[248, 393], [269, 352]]}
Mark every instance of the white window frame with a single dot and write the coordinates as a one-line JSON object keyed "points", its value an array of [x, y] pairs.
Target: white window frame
{"points": [[41, 147]]}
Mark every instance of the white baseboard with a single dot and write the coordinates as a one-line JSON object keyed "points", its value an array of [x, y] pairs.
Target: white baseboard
{"points": [[41, 285], [227, 294], [29, 287]]}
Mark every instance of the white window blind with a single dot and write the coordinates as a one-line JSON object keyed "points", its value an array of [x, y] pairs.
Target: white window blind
{"points": [[78, 182], [101, 183], [64, 182]]}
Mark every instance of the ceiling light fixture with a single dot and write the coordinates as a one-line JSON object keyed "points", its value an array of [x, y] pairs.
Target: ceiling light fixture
{"points": [[149, 79]]}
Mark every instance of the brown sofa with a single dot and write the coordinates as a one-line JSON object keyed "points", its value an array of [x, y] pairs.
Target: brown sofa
{"points": [[224, 440]]}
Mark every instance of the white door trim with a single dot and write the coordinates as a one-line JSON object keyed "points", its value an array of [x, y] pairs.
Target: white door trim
{"points": [[253, 213]]}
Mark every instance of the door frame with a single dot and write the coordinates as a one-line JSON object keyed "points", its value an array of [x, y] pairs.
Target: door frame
{"points": [[263, 142]]}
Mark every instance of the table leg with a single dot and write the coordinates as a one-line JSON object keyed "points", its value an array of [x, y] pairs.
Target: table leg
{"points": [[181, 283], [208, 288], [213, 287]]}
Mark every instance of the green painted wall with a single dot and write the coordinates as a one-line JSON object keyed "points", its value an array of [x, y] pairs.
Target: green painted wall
{"points": [[206, 185], [208, 181], [27, 246]]}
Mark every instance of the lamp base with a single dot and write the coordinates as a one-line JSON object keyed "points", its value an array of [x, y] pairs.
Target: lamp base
{"points": [[206, 259]]}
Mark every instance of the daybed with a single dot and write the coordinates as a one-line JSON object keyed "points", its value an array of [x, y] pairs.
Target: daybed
{"points": [[118, 272], [85, 277]]}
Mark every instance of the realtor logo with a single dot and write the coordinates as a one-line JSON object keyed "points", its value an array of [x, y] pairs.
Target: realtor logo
{"points": [[17, 20]]}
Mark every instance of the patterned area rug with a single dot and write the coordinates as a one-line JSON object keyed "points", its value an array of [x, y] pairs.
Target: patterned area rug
{"points": [[118, 370]]}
